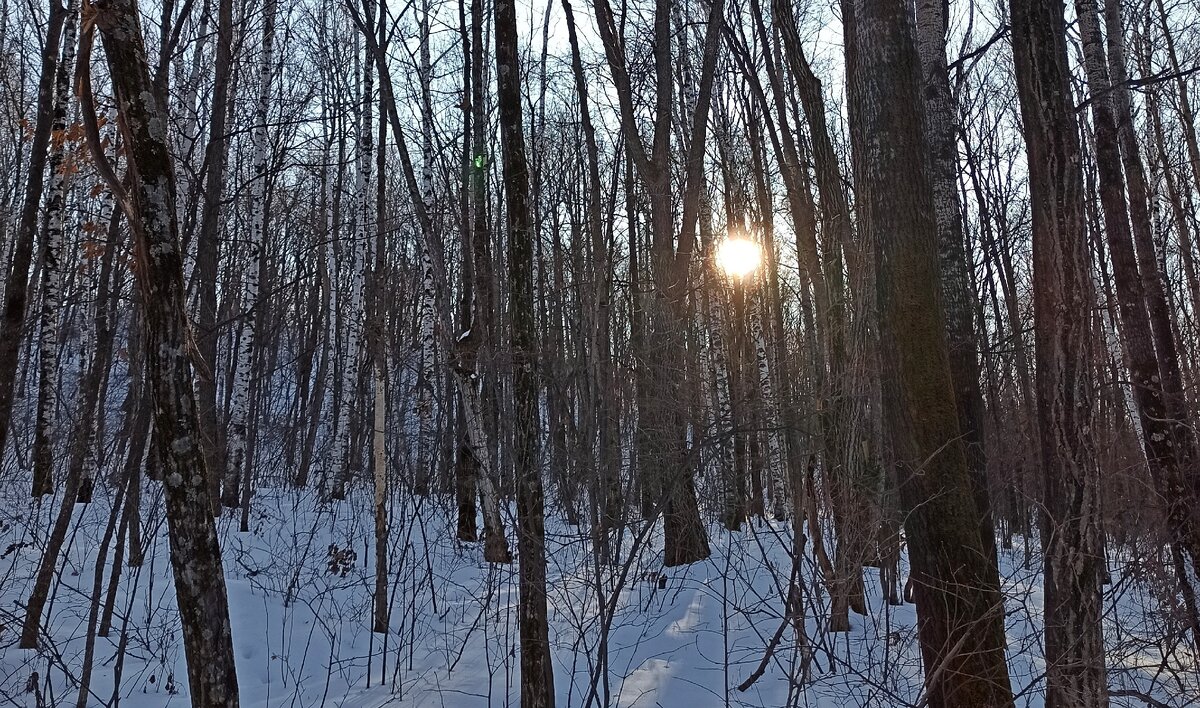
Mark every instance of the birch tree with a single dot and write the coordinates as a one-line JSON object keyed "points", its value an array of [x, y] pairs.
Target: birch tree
{"points": [[239, 408], [17, 281]]}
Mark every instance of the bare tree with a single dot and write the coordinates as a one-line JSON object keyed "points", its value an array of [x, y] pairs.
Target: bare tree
{"points": [[1063, 300], [17, 281], [150, 208], [960, 613]]}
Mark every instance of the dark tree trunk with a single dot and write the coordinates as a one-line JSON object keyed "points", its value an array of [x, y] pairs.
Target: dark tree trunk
{"points": [[958, 294], [207, 246], [169, 347], [537, 671], [466, 467], [1062, 311], [1153, 364], [960, 614]]}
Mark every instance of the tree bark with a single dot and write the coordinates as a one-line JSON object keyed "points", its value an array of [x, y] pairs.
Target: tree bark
{"points": [[1145, 325], [537, 670], [195, 553], [259, 218], [1062, 311], [52, 267], [954, 256], [956, 604], [207, 252], [17, 283]]}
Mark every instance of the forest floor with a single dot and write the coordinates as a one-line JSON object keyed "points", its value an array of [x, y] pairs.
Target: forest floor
{"points": [[300, 585]]}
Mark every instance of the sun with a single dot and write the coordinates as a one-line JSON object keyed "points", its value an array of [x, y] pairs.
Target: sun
{"points": [[738, 257]]}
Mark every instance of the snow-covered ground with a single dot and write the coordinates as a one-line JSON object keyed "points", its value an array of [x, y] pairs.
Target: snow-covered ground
{"points": [[300, 592]]}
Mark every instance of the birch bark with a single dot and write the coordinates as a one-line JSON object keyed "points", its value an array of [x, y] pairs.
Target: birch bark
{"points": [[52, 272], [239, 407]]}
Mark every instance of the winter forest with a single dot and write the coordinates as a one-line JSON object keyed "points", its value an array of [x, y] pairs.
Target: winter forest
{"points": [[599, 353]]}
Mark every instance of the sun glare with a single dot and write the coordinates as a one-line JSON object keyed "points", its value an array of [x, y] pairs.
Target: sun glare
{"points": [[738, 257]]}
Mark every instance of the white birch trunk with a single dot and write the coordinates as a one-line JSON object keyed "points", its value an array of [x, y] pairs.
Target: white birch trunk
{"points": [[52, 275], [722, 393], [354, 311], [240, 398], [428, 378], [770, 414]]}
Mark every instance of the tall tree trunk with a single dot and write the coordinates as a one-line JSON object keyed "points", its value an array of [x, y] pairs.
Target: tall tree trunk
{"points": [[52, 270], [607, 455], [466, 468], [427, 378], [1062, 303], [663, 458], [954, 257], [259, 218], [207, 252], [17, 283], [537, 670], [342, 457], [150, 204], [960, 614], [465, 348], [821, 272], [1168, 439]]}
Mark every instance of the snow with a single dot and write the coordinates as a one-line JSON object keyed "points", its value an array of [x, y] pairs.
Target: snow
{"points": [[300, 595]]}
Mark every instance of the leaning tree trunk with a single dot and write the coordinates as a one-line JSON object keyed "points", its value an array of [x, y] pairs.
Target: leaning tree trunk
{"points": [[1169, 441], [821, 269], [43, 481], [169, 347], [960, 614], [1062, 311]]}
